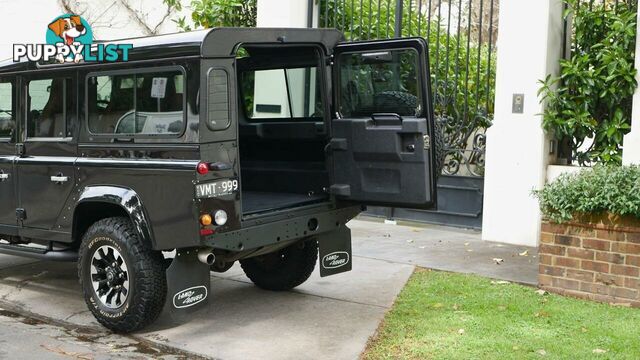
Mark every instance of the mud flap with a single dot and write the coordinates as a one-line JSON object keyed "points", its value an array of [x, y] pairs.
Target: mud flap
{"points": [[335, 251], [188, 284]]}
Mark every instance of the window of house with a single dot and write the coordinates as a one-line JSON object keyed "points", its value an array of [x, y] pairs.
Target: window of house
{"points": [[7, 111], [50, 104], [137, 104]]}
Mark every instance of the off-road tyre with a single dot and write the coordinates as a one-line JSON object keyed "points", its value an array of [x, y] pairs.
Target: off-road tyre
{"points": [[145, 273], [405, 103], [284, 269]]}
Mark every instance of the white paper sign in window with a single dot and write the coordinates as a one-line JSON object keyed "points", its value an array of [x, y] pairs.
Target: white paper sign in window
{"points": [[159, 87]]}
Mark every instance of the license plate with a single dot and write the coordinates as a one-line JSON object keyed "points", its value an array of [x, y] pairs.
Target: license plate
{"points": [[216, 188]]}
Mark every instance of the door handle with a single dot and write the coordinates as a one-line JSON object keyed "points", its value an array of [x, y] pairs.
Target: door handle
{"points": [[59, 179], [382, 119]]}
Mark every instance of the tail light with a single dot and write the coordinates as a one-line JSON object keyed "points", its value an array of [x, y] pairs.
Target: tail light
{"points": [[205, 220], [202, 168], [220, 217], [205, 232]]}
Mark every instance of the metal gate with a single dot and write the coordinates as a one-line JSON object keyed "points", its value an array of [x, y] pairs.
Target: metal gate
{"points": [[461, 36]]}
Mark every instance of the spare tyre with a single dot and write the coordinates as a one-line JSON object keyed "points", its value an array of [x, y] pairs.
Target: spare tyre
{"points": [[404, 103]]}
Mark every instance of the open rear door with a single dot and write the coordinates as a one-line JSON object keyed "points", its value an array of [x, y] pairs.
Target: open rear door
{"points": [[382, 152]]}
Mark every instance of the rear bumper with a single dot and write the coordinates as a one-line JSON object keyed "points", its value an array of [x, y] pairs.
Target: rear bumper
{"points": [[274, 232]]}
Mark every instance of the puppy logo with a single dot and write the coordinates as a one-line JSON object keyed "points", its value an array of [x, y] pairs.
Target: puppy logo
{"points": [[69, 30], [69, 39]]}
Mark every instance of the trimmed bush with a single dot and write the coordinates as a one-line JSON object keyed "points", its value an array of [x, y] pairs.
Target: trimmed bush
{"points": [[601, 189]]}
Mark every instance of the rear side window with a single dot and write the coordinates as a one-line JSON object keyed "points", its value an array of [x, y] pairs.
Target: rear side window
{"points": [[7, 111], [50, 105], [379, 82], [137, 104]]}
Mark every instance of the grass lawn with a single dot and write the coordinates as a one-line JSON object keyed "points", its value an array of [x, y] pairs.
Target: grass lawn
{"points": [[443, 315]]}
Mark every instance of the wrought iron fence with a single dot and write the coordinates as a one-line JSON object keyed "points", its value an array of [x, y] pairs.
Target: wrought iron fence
{"points": [[461, 36]]}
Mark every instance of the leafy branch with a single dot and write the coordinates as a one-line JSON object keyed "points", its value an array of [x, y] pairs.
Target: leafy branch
{"points": [[590, 102], [217, 13]]}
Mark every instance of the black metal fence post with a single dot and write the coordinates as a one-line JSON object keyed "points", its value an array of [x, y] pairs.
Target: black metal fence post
{"points": [[310, 6], [398, 24]]}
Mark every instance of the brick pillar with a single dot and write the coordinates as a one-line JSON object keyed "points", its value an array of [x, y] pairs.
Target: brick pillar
{"points": [[596, 261]]}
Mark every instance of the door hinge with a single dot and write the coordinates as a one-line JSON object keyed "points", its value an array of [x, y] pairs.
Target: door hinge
{"points": [[427, 142], [21, 214], [329, 60], [20, 149]]}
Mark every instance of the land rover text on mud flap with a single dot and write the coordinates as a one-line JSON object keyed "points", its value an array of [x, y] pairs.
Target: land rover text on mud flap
{"points": [[223, 145]]}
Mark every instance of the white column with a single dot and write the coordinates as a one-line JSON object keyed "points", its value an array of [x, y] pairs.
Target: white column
{"points": [[631, 144], [529, 47], [282, 13], [270, 88]]}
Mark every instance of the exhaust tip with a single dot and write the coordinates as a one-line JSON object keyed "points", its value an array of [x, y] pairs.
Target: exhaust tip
{"points": [[206, 257]]}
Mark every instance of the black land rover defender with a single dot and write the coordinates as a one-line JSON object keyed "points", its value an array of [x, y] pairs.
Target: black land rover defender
{"points": [[223, 145]]}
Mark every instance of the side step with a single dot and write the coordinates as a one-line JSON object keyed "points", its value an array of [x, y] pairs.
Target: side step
{"points": [[39, 253]]}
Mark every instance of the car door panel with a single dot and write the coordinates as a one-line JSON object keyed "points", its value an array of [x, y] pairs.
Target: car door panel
{"points": [[381, 135], [7, 188], [45, 184], [46, 165], [8, 133]]}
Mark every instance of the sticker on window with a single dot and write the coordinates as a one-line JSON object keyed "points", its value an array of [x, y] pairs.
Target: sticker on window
{"points": [[158, 87]]}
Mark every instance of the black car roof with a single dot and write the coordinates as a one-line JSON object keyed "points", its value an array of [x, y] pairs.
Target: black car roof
{"points": [[217, 42]]}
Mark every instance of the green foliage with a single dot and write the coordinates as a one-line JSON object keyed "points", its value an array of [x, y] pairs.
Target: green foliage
{"points": [[604, 188], [591, 99], [218, 13], [462, 71]]}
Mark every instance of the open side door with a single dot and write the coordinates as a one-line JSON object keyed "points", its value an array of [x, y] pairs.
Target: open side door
{"points": [[381, 147]]}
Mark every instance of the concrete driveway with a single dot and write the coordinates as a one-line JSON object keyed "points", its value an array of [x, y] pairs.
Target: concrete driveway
{"points": [[45, 316], [330, 318]]}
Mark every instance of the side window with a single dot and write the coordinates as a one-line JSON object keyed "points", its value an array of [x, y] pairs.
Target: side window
{"points": [[7, 111], [50, 103], [137, 104], [379, 82]]}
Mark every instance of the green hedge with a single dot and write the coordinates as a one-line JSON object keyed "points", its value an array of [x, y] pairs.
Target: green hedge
{"points": [[601, 189]]}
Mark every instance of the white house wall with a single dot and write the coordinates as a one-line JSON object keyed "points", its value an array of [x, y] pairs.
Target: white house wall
{"points": [[25, 21]]}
